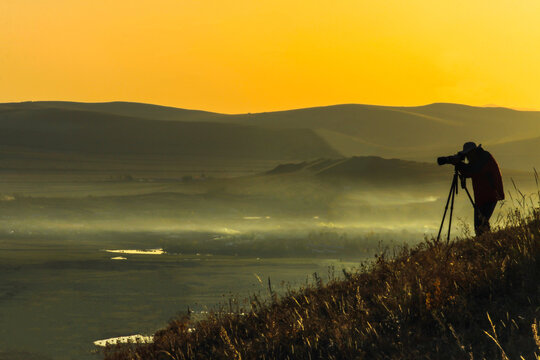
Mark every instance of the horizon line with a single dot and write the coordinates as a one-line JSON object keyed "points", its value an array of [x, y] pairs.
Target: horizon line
{"points": [[495, 106]]}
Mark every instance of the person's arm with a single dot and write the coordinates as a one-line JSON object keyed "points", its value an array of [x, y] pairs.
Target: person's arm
{"points": [[465, 169], [468, 170]]}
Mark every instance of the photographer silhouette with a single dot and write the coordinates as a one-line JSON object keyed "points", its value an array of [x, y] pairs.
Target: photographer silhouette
{"points": [[486, 178]]}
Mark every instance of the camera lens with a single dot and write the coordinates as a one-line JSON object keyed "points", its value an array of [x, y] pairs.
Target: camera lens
{"points": [[442, 160]]}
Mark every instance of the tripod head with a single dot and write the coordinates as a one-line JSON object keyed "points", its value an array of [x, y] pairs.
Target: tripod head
{"points": [[462, 178], [463, 181]]}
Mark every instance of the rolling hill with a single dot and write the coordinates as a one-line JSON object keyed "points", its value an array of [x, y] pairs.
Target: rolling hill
{"points": [[413, 133], [57, 132], [122, 108], [519, 154]]}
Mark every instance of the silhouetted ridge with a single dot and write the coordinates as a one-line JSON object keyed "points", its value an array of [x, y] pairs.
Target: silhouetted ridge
{"points": [[123, 108]]}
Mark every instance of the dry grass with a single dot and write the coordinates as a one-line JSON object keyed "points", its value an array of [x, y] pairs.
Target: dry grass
{"points": [[470, 299]]}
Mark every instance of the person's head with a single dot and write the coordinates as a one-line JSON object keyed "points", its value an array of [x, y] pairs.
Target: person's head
{"points": [[470, 151]]}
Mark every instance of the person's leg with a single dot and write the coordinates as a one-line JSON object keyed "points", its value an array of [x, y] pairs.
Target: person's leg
{"points": [[482, 214], [476, 221]]}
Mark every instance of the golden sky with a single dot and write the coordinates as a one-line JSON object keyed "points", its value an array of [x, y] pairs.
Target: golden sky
{"points": [[238, 56]]}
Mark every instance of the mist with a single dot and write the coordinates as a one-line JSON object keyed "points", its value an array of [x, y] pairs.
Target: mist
{"points": [[252, 215]]}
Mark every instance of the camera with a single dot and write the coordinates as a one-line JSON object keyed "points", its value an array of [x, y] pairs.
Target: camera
{"points": [[452, 159]]}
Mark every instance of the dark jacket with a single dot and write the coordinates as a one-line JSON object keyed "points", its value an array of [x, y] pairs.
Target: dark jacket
{"points": [[486, 178]]}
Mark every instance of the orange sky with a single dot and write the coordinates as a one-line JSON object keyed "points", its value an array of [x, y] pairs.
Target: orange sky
{"points": [[258, 55]]}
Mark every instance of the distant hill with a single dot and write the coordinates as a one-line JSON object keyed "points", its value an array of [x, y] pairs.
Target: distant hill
{"points": [[123, 108], [519, 154], [418, 133], [367, 169], [84, 132]]}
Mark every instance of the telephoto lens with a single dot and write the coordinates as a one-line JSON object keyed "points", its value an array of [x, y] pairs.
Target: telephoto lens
{"points": [[452, 159], [443, 160]]}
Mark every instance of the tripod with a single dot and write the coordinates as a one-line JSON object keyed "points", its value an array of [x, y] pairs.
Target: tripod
{"points": [[450, 200]]}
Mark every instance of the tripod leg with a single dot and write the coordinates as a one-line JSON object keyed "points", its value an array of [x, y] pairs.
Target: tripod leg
{"points": [[450, 194], [451, 212], [470, 198]]}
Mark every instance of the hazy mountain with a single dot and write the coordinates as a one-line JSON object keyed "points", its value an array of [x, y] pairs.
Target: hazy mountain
{"points": [[522, 154], [419, 133], [415, 133], [123, 108], [84, 132]]}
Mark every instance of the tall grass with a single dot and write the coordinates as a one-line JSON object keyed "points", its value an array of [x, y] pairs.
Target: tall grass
{"points": [[474, 298]]}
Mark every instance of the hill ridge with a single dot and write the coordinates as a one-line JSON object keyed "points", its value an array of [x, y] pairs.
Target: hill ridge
{"points": [[57, 103]]}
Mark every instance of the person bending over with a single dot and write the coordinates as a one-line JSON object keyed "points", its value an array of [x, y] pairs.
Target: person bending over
{"points": [[486, 178]]}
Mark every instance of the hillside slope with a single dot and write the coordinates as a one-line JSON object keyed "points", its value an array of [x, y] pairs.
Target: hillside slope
{"points": [[471, 299]]}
